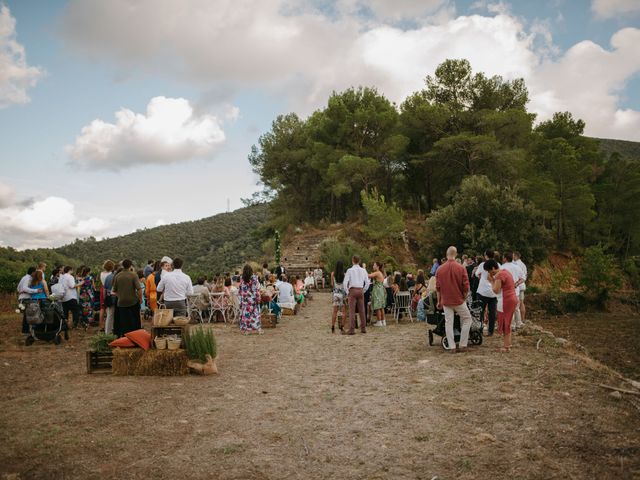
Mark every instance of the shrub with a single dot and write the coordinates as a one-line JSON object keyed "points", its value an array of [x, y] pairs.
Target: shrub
{"points": [[598, 276], [332, 250], [385, 221], [485, 215]]}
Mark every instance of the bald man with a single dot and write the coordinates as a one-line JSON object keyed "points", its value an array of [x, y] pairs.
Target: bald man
{"points": [[452, 286]]}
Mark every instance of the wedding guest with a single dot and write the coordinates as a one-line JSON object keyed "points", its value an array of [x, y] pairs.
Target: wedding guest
{"points": [[485, 293], [126, 286], [107, 268], [174, 287], [502, 282], [517, 259], [452, 285], [24, 293], [356, 282], [378, 294], [70, 298], [338, 296], [86, 294], [249, 290]]}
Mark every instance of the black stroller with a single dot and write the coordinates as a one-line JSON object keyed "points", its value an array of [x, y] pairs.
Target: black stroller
{"points": [[436, 317], [46, 321]]}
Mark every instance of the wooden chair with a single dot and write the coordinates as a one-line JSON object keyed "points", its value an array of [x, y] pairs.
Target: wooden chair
{"points": [[402, 304]]}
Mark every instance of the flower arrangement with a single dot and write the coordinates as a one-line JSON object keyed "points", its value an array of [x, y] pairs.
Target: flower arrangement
{"points": [[278, 247]]}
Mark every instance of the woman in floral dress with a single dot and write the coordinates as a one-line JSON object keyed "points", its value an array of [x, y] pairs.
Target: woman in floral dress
{"points": [[249, 292], [86, 296], [378, 294]]}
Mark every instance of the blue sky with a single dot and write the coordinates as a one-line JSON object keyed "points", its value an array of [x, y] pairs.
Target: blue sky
{"points": [[220, 71]]}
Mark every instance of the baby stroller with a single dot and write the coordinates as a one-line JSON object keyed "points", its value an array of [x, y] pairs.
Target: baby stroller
{"points": [[46, 321], [436, 317]]}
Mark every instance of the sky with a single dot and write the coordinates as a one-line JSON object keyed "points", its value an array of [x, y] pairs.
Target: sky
{"points": [[117, 115]]}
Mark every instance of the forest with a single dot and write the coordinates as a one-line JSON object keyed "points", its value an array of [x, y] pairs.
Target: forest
{"points": [[463, 159], [465, 153]]}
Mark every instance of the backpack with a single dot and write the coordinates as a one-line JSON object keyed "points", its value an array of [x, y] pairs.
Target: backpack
{"points": [[33, 314]]}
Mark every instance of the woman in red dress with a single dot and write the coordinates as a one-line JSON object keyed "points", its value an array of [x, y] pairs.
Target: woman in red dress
{"points": [[502, 281]]}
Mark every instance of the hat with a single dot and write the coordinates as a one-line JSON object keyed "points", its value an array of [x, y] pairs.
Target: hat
{"points": [[166, 259]]}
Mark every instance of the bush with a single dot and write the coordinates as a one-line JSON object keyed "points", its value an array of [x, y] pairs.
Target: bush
{"points": [[333, 249], [484, 215], [384, 221], [598, 276], [564, 302]]}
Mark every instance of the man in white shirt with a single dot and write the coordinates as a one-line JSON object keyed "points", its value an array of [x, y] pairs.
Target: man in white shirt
{"points": [[286, 297], [175, 286], [518, 261], [70, 298], [24, 293], [518, 279], [356, 282], [485, 293]]}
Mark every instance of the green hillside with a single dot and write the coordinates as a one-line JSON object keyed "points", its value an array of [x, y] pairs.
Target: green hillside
{"points": [[208, 245], [626, 149]]}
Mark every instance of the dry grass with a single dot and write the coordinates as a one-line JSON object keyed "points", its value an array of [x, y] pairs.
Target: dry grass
{"points": [[298, 402]]}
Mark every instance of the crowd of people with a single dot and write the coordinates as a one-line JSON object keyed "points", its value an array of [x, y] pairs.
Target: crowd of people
{"points": [[454, 281], [117, 298]]}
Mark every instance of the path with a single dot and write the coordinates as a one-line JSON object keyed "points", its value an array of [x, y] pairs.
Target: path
{"points": [[299, 402]]}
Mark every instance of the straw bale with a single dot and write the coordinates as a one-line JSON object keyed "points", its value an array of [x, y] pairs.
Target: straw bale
{"points": [[135, 361]]}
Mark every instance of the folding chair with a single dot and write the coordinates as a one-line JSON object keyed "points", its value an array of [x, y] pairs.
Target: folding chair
{"points": [[233, 308], [193, 307], [402, 304], [217, 303]]}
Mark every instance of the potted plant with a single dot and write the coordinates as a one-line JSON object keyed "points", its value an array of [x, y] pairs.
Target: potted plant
{"points": [[201, 349], [99, 355]]}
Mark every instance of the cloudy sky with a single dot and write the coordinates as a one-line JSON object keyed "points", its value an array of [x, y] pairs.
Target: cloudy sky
{"points": [[122, 114]]}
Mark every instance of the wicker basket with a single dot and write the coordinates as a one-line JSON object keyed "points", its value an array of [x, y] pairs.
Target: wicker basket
{"points": [[268, 320], [181, 321], [173, 344], [162, 317], [160, 343]]}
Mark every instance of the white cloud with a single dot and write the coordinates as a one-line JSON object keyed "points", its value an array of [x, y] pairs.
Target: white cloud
{"points": [[613, 8], [7, 194], [49, 222], [302, 54], [169, 132], [16, 77], [587, 80]]}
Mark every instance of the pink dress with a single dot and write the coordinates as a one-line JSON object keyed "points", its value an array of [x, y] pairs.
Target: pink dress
{"points": [[509, 301]]}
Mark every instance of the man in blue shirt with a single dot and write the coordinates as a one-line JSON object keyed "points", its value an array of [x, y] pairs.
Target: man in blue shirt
{"points": [[434, 267]]}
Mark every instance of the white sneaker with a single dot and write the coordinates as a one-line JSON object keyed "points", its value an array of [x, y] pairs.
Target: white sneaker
{"points": [[384, 323], [378, 324]]}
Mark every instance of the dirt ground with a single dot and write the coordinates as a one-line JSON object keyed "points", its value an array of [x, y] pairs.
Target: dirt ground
{"points": [[612, 338], [299, 402]]}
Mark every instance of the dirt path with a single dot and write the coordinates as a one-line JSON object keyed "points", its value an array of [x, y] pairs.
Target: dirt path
{"points": [[299, 402]]}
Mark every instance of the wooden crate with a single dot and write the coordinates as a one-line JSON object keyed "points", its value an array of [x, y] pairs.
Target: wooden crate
{"points": [[268, 320], [169, 330], [99, 362]]}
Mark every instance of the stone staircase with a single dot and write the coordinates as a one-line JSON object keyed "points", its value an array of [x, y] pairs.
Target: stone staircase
{"points": [[302, 254]]}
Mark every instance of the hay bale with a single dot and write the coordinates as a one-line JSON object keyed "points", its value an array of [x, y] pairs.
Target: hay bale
{"points": [[135, 361]]}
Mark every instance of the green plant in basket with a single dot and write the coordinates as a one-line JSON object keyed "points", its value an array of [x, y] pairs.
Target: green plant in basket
{"points": [[100, 342], [200, 342]]}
